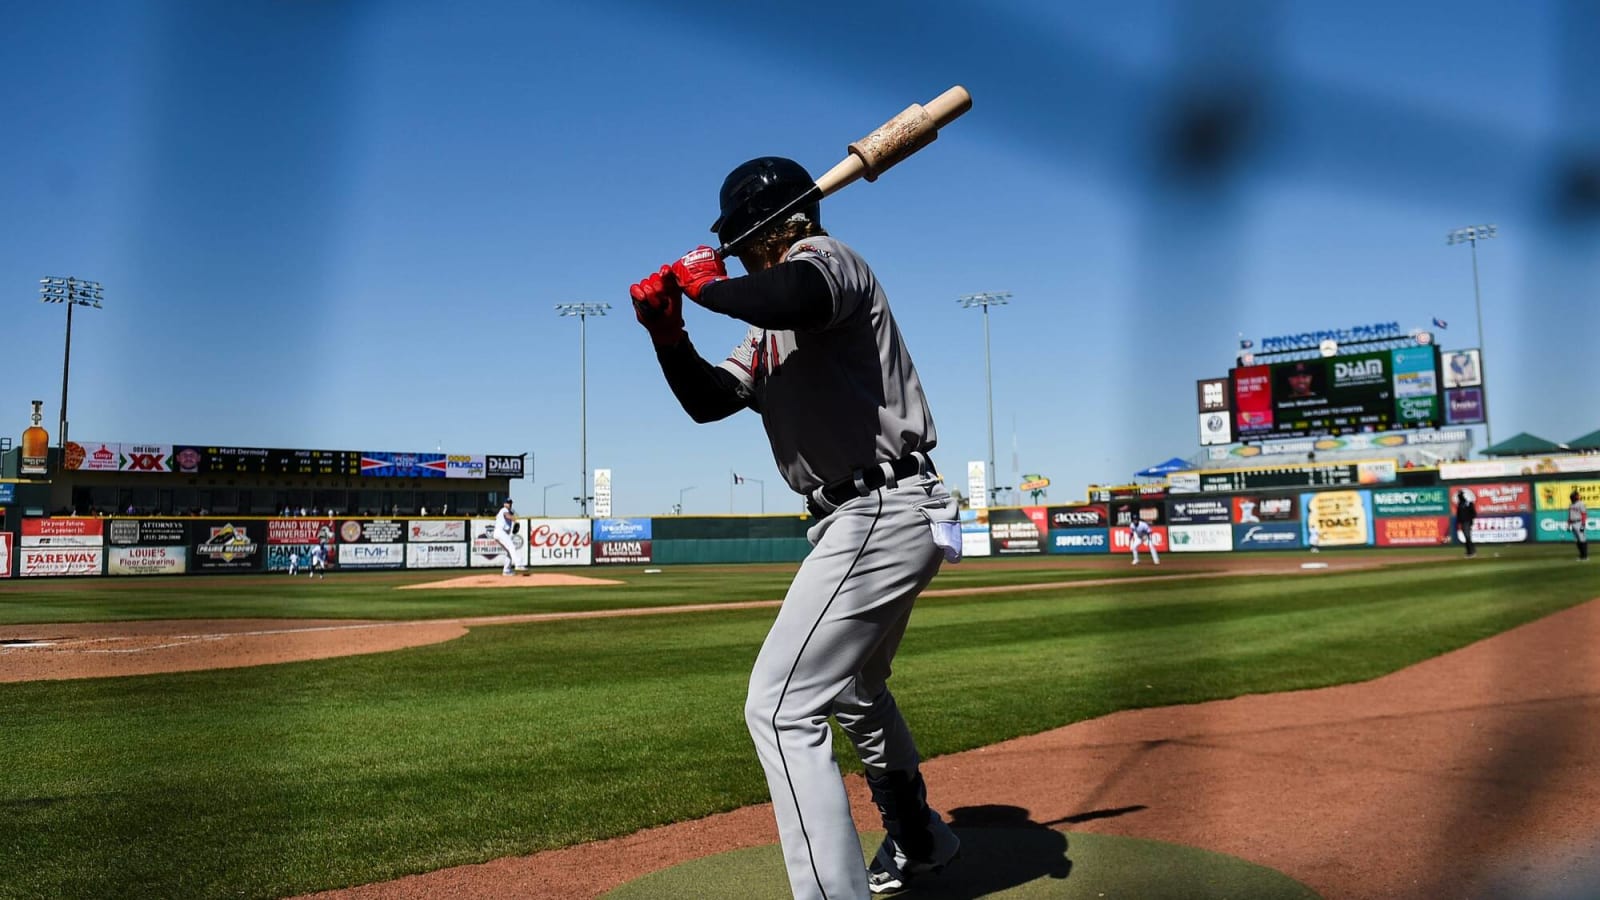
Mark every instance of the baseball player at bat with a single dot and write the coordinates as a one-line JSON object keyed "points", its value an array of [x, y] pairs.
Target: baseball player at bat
{"points": [[825, 367]]}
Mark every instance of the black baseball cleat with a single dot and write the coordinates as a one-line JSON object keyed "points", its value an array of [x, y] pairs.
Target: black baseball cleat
{"points": [[892, 871]]}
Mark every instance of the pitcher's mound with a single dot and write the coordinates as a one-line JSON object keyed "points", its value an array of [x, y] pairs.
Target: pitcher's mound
{"points": [[1016, 863], [522, 580]]}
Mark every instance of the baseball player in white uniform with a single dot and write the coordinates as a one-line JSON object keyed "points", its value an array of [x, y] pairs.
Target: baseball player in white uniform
{"points": [[505, 530], [1578, 524], [319, 562], [294, 562], [824, 365], [1140, 535]]}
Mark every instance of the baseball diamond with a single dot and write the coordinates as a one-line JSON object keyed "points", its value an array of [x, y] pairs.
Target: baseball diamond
{"points": [[1388, 741]]}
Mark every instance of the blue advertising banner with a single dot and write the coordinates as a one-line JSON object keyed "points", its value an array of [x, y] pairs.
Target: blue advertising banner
{"points": [[1080, 540], [622, 529], [384, 464], [8, 493], [1267, 536]]}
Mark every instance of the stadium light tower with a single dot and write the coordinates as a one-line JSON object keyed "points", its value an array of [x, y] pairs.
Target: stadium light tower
{"points": [[985, 300], [1472, 234], [73, 292], [681, 492], [583, 311]]}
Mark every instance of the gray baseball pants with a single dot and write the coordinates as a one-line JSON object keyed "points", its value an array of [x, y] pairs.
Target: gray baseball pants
{"points": [[829, 653]]}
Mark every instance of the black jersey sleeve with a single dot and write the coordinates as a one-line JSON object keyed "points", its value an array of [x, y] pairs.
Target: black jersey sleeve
{"points": [[706, 392], [790, 296]]}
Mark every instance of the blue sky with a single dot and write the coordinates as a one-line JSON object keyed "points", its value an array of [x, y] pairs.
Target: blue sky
{"points": [[345, 225]]}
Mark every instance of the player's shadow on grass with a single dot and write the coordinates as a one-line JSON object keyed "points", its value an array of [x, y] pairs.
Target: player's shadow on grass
{"points": [[1001, 848]]}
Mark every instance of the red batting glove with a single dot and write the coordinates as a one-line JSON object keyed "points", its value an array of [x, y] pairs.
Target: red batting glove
{"points": [[698, 268], [658, 305]]}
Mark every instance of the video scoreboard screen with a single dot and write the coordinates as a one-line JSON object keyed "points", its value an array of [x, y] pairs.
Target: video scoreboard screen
{"points": [[267, 461], [1387, 390]]}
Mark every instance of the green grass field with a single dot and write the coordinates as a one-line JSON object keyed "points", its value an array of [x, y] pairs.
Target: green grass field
{"points": [[276, 780]]}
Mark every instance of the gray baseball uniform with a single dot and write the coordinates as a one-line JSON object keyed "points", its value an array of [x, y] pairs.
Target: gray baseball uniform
{"points": [[1578, 524], [850, 428]]}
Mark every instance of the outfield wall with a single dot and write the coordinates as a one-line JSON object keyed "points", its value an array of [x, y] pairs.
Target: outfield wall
{"points": [[1399, 516]]}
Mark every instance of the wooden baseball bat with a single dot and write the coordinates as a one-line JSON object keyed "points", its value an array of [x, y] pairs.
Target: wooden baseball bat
{"points": [[914, 128]]}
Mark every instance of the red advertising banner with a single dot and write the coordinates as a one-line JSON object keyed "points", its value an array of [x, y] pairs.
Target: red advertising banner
{"points": [[299, 531], [74, 527], [1120, 539], [1503, 499], [1252, 395], [1413, 531]]}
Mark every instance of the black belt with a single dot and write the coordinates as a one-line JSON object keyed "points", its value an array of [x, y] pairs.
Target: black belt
{"points": [[865, 481]]}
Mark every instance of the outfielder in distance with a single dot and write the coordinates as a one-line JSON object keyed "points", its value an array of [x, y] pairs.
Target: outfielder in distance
{"points": [[824, 365]]}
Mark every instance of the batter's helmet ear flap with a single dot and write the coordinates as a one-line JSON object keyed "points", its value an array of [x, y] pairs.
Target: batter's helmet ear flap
{"points": [[758, 188]]}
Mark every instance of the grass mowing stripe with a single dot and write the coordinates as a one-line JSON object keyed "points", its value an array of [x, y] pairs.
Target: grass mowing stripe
{"points": [[279, 779]]}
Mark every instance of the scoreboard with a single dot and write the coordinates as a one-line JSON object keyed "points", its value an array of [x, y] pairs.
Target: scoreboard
{"points": [[267, 461], [1386, 390]]}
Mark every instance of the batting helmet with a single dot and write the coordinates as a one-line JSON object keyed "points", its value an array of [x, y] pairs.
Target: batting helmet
{"points": [[758, 188]]}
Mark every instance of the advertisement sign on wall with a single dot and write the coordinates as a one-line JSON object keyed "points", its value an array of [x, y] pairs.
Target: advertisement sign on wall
{"points": [[1506, 498], [1200, 511], [372, 556], [431, 555], [617, 552], [1201, 538], [65, 532], [1014, 531], [1121, 540], [1410, 502], [373, 531], [1248, 510], [5, 554], [228, 546], [147, 560], [1080, 540], [559, 542], [487, 552], [299, 531], [1510, 468], [146, 532], [975, 532], [93, 456], [1267, 536], [436, 531], [1413, 531], [1089, 515], [503, 466], [145, 458], [1215, 428], [1338, 518], [622, 529], [1557, 495], [35, 562], [1504, 529]]}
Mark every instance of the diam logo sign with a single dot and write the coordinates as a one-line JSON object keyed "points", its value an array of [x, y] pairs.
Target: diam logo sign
{"points": [[228, 543]]}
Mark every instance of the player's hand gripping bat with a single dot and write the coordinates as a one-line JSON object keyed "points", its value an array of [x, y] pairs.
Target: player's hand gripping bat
{"points": [[888, 144]]}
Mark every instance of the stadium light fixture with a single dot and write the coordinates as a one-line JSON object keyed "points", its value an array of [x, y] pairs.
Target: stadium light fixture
{"points": [[986, 299], [544, 509], [681, 492], [71, 291], [1472, 234], [583, 311]]}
